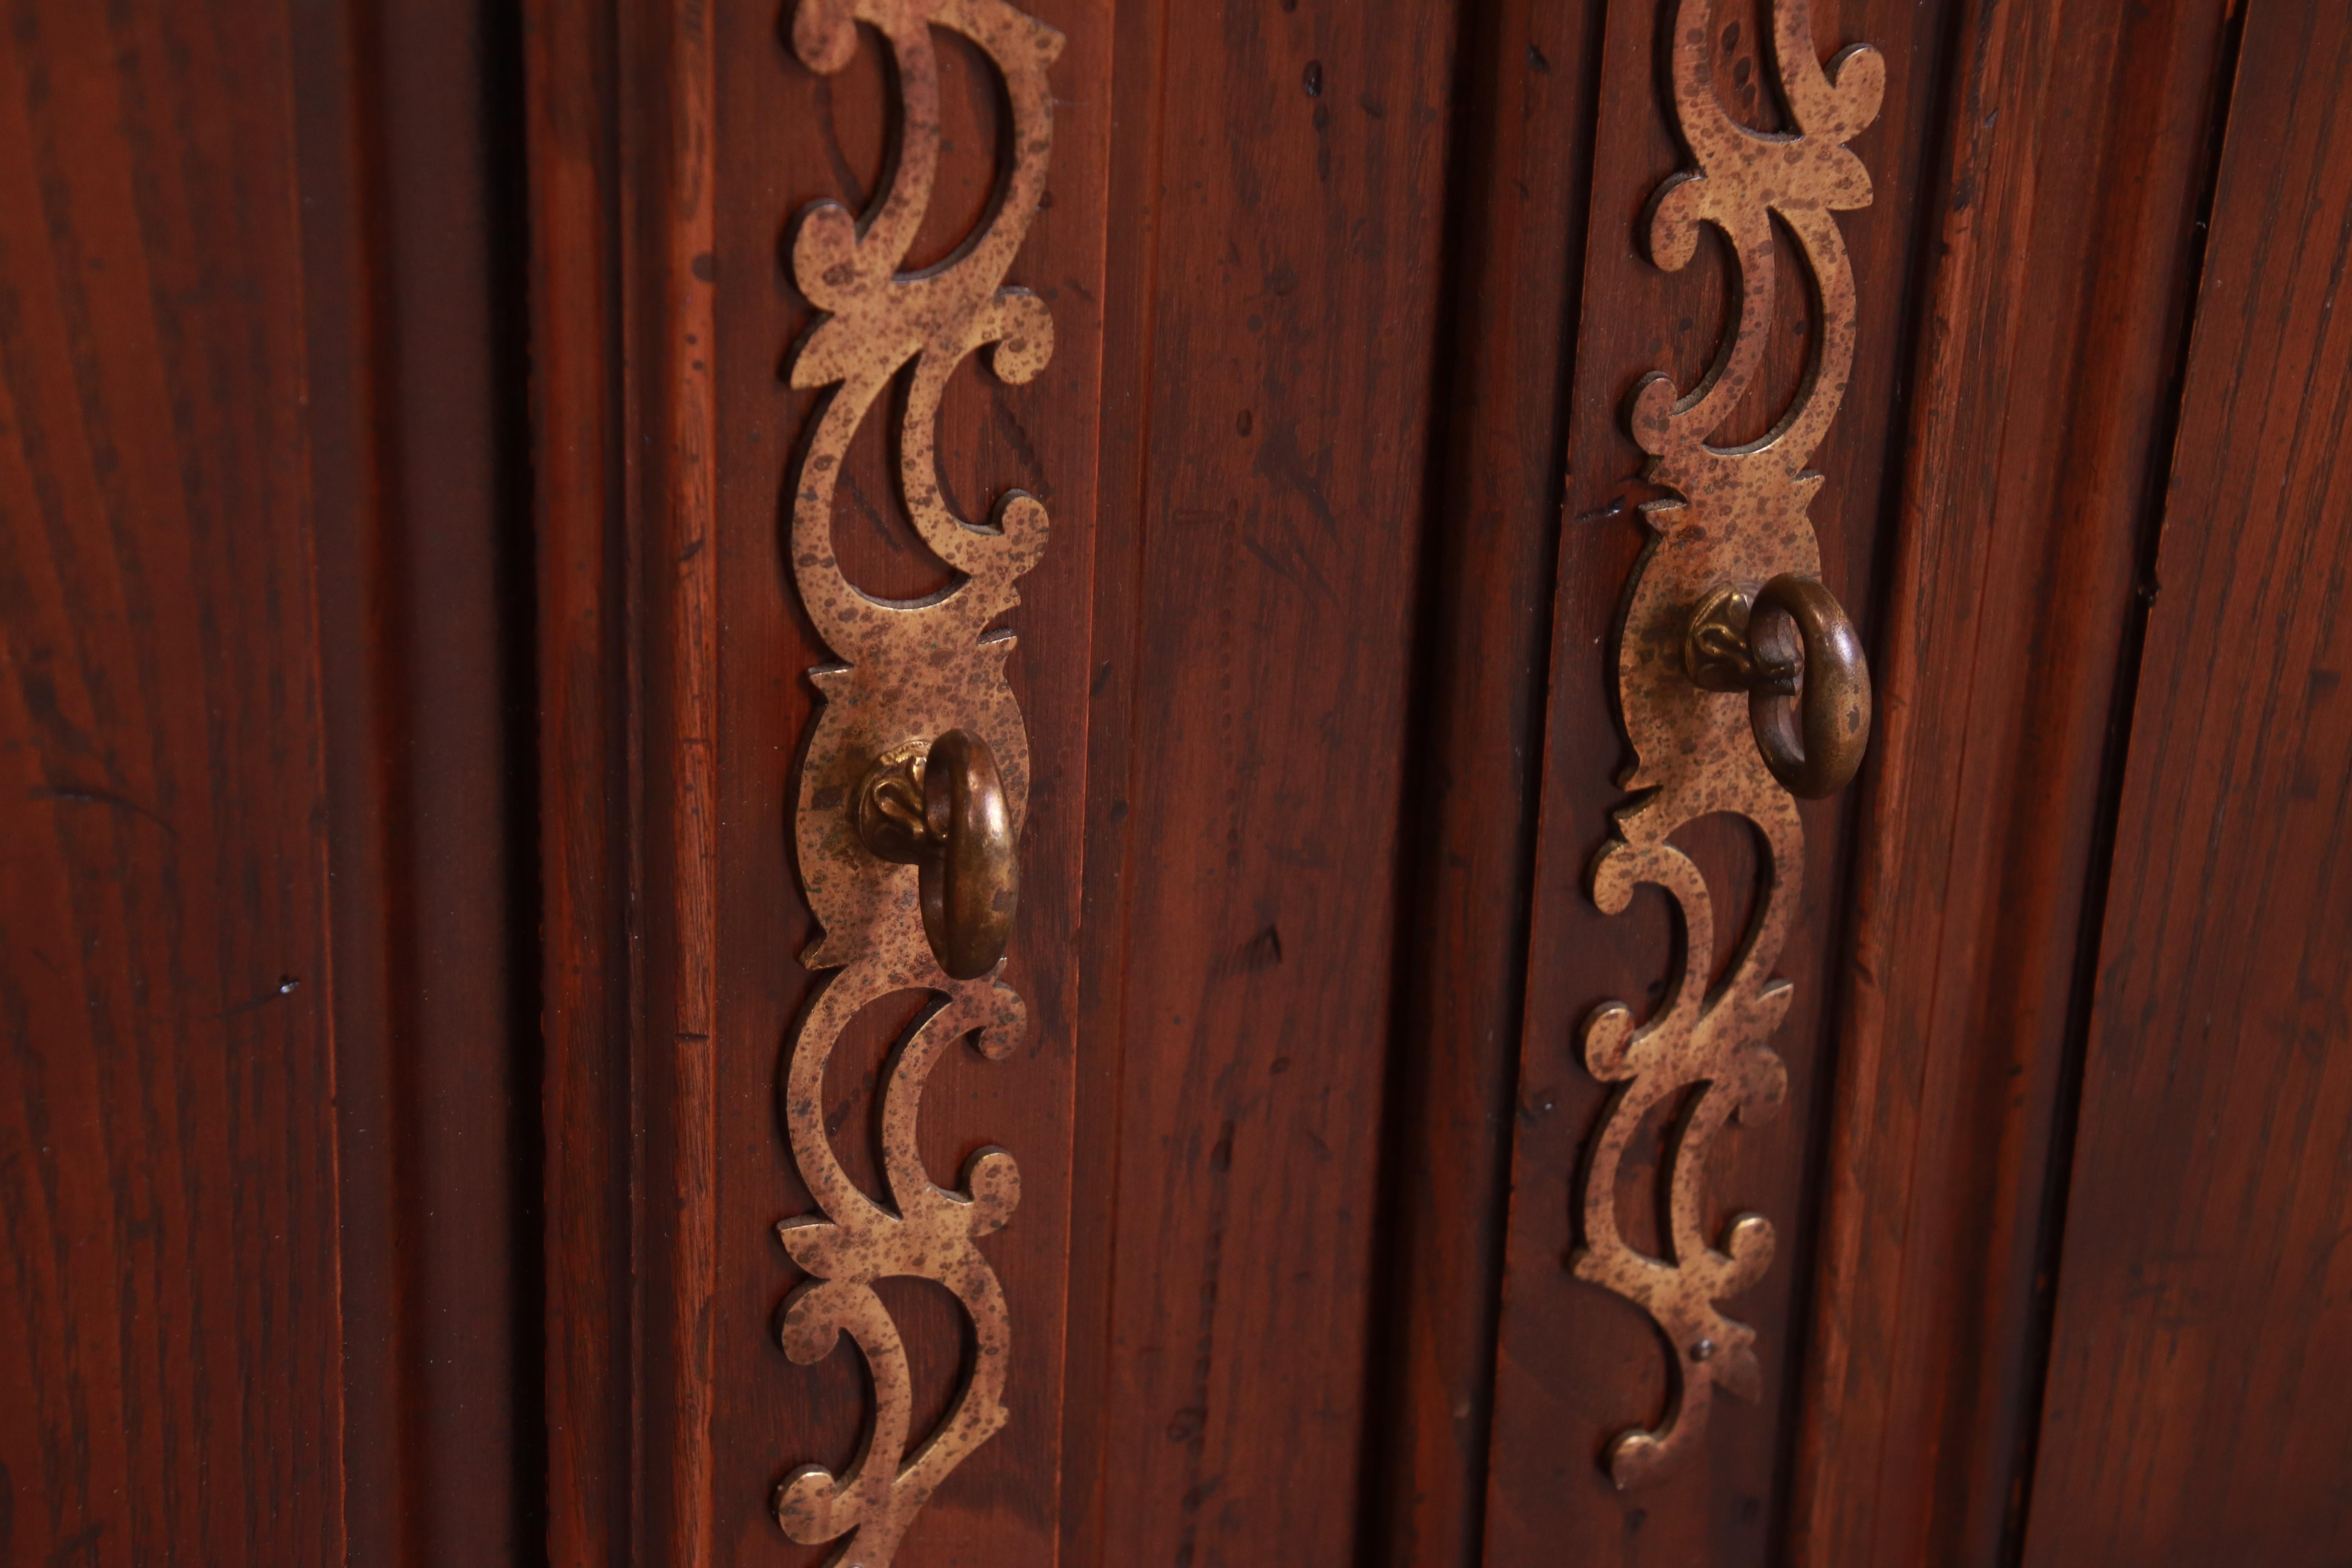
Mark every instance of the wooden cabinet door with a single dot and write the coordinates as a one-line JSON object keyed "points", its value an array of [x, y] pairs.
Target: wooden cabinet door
{"points": [[2056, 1177], [973, 782], [2021, 279], [1351, 1225], [1218, 396]]}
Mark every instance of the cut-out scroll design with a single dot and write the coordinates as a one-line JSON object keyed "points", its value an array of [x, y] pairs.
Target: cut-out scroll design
{"points": [[1705, 1054], [910, 671]]}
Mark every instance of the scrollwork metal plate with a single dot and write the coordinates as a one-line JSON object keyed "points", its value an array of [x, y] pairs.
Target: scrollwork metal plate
{"points": [[909, 670], [1740, 519]]}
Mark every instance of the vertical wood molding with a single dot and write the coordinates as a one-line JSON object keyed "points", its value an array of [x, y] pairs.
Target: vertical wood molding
{"points": [[668, 203], [681, 572], [621, 104], [587, 705], [1520, 187], [433, 792]]}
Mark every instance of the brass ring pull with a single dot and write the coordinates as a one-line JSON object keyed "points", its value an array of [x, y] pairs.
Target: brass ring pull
{"points": [[1795, 653], [939, 805]]}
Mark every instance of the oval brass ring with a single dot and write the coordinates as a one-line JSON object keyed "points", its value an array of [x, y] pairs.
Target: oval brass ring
{"points": [[1792, 650], [938, 805]]}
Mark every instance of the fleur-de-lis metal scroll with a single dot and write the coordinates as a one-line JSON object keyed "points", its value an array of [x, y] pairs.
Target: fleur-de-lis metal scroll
{"points": [[1726, 598], [917, 774]]}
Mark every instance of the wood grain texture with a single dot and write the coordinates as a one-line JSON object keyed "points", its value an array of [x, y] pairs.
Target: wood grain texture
{"points": [[1575, 1366], [1518, 195], [620, 195], [170, 1365], [2047, 348], [674, 459], [1278, 204], [2195, 1410], [587, 858], [668, 203]]}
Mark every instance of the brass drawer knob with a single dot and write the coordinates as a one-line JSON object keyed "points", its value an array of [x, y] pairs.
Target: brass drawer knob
{"points": [[939, 805], [1791, 647]]}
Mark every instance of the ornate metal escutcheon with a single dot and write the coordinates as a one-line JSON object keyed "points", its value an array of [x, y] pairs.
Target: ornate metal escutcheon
{"points": [[917, 772], [1726, 599]]}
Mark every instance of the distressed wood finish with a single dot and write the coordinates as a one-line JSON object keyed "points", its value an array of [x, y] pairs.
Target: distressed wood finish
{"points": [[292, 364], [171, 1354], [2195, 1410], [1276, 200], [2049, 343], [1317, 672], [626, 562], [620, 186], [588, 865], [1275, 226]]}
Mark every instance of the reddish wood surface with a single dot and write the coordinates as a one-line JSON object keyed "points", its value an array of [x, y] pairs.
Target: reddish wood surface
{"points": [[587, 859], [1303, 574], [1316, 667], [417, 410], [672, 149], [1576, 1365], [1275, 229], [669, 314], [1519, 191], [2048, 350], [170, 1363], [2195, 1409], [620, 183]]}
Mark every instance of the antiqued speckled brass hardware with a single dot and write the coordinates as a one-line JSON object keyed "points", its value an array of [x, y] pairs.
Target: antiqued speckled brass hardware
{"points": [[939, 806], [924, 668], [1740, 520], [1791, 647]]}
